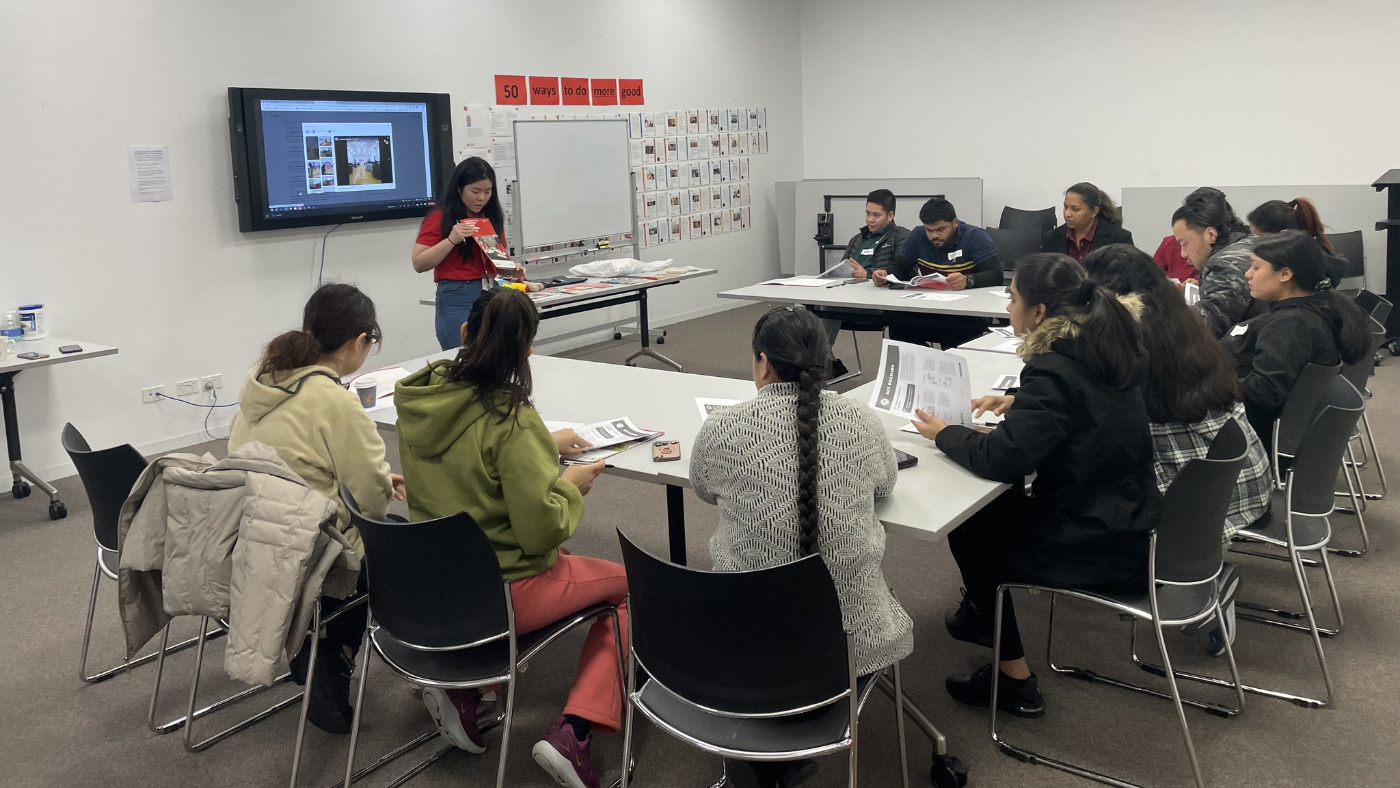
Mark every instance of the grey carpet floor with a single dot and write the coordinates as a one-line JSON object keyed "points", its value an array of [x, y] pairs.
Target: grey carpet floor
{"points": [[54, 730]]}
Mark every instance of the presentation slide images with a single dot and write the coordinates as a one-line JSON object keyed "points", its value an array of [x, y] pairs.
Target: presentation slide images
{"points": [[364, 162], [313, 147]]}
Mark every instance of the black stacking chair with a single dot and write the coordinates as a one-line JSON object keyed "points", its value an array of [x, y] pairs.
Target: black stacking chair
{"points": [[108, 476], [1358, 375], [1041, 221], [1299, 410], [719, 648], [1184, 560], [440, 615], [1012, 245], [1348, 246]]}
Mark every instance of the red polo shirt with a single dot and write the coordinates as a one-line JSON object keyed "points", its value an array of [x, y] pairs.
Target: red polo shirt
{"points": [[464, 261], [1079, 249], [1170, 259]]}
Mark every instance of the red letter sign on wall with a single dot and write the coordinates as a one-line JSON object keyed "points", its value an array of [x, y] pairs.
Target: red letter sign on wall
{"points": [[629, 91], [604, 92], [574, 90], [510, 89], [544, 90]]}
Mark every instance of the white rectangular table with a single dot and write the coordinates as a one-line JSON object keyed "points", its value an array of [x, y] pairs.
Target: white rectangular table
{"points": [[614, 295], [992, 342], [980, 301], [11, 367], [930, 499]]}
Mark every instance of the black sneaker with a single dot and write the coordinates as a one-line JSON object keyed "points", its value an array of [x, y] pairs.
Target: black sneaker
{"points": [[969, 623], [838, 368], [1014, 696], [328, 707]]}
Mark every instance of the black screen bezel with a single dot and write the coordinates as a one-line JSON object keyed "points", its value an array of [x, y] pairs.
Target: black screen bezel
{"points": [[249, 170]]}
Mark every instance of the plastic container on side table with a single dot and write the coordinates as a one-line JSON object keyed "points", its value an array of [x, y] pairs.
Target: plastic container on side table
{"points": [[10, 333], [33, 322]]}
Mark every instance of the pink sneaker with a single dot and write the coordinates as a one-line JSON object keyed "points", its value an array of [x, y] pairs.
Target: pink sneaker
{"points": [[564, 757], [454, 713]]}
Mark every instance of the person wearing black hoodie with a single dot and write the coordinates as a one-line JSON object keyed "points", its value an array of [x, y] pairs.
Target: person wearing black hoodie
{"points": [[1307, 323], [1079, 424]]}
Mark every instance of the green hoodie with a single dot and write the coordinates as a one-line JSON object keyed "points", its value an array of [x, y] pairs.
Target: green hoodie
{"points": [[504, 472]]}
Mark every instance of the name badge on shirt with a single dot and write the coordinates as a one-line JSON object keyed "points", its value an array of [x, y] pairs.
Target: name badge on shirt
{"points": [[1239, 329], [868, 251], [952, 256]]}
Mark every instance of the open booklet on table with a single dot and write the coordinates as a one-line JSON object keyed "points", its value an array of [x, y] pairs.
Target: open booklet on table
{"points": [[609, 438]]}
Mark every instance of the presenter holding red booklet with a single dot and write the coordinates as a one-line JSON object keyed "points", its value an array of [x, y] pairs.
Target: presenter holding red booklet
{"points": [[461, 243]]}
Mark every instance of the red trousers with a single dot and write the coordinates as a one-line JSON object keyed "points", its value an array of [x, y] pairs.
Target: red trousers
{"points": [[572, 584]]}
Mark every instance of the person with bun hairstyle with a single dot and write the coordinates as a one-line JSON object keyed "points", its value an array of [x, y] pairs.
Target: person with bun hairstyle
{"points": [[795, 471], [1214, 240], [1308, 322], [471, 440], [1092, 221], [1275, 216], [1079, 424], [294, 401], [469, 206]]}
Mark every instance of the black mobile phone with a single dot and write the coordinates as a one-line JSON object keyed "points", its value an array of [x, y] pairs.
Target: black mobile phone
{"points": [[66, 349], [905, 459], [32, 356]]}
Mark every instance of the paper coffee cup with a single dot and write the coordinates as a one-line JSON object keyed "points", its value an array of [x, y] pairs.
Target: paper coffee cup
{"points": [[367, 389]]}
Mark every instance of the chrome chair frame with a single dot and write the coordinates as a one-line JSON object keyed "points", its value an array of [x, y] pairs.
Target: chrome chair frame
{"points": [[1153, 614], [100, 570]]}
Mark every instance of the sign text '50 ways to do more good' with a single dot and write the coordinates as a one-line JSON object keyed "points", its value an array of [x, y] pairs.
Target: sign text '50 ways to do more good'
{"points": [[579, 91]]}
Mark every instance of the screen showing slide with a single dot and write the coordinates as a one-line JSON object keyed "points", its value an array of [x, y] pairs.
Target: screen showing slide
{"points": [[339, 156]]}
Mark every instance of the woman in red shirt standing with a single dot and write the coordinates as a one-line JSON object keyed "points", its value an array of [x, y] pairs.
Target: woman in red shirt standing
{"points": [[468, 207]]}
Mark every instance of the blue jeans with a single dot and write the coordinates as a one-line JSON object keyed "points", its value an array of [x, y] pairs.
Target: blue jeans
{"points": [[454, 303]]}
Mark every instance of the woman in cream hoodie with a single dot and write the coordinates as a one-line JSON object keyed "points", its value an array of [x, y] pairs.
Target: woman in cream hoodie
{"points": [[294, 402]]}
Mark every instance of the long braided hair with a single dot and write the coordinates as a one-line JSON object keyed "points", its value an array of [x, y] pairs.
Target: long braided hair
{"points": [[795, 345]]}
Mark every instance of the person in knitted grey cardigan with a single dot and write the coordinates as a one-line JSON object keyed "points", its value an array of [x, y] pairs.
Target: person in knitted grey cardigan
{"points": [[787, 486]]}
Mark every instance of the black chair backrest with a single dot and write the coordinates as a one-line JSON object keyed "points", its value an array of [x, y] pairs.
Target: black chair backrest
{"points": [[1041, 221], [1357, 374], [1012, 245], [1303, 403], [1314, 476], [1375, 306], [108, 476], [757, 642], [435, 584], [1348, 247], [1192, 523]]}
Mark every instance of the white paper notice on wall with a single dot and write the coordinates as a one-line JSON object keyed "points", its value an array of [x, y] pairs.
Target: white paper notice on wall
{"points": [[150, 173]]}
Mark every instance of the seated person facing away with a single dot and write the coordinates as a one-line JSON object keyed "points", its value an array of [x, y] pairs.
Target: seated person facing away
{"points": [[1078, 423], [1307, 323], [294, 402], [797, 471], [471, 441], [1092, 221], [870, 249], [962, 252], [1215, 241], [1191, 393]]}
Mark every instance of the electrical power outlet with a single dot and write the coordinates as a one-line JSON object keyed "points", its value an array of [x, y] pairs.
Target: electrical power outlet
{"points": [[149, 395], [211, 382], [185, 388]]}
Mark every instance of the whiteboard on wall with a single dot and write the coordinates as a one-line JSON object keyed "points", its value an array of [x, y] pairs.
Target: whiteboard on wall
{"points": [[574, 180]]}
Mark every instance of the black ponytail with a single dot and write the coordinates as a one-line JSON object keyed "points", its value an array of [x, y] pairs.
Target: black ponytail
{"points": [[1300, 253], [1108, 341], [795, 344]]}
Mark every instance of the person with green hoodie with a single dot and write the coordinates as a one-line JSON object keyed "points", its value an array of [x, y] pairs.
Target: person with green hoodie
{"points": [[294, 402], [470, 440]]}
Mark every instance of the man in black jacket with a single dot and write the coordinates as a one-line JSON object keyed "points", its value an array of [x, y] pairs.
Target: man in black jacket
{"points": [[872, 248]]}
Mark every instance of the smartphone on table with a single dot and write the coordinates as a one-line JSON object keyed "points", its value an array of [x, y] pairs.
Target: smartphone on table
{"points": [[665, 451], [32, 356], [904, 459]]}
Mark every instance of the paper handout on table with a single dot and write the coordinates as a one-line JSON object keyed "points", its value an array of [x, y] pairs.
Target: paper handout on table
{"points": [[917, 377], [609, 438], [930, 281], [708, 405], [805, 281], [841, 270], [937, 296]]}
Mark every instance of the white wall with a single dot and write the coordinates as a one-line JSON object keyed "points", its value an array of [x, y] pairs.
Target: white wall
{"points": [[179, 289], [1034, 96]]}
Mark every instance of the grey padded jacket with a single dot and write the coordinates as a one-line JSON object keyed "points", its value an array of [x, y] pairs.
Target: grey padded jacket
{"points": [[242, 540]]}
